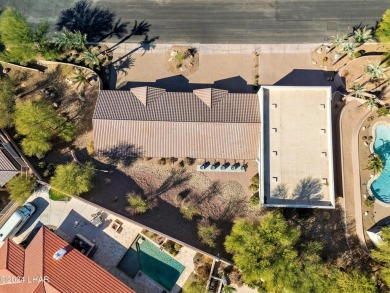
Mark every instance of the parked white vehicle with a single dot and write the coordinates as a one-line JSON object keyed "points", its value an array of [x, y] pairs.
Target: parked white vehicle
{"points": [[16, 221]]}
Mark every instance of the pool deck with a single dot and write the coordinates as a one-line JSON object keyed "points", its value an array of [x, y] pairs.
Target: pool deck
{"points": [[111, 246], [380, 212]]}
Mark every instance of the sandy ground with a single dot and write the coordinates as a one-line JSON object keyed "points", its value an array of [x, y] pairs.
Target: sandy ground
{"points": [[290, 69], [234, 72]]}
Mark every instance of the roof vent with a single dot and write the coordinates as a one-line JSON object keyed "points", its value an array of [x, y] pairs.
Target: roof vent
{"points": [[59, 254], [147, 94], [210, 96]]}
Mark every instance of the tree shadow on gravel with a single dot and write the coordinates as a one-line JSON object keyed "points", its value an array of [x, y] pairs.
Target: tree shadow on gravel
{"points": [[177, 178], [123, 153], [98, 23]]}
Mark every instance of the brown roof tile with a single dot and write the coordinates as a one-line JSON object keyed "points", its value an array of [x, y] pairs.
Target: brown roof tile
{"points": [[210, 96], [178, 107], [7, 169], [177, 139], [208, 123], [146, 94]]}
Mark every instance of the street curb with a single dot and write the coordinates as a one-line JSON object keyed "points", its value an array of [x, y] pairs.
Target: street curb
{"points": [[219, 48]]}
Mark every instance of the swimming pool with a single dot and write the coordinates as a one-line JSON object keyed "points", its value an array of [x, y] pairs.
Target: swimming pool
{"points": [[146, 257], [380, 187]]}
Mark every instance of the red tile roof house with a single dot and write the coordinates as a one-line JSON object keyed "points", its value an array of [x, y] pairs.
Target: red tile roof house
{"points": [[38, 271]]}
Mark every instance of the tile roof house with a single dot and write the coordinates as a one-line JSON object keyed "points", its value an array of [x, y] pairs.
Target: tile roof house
{"points": [[151, 122], [40, 272], [7, 169]]}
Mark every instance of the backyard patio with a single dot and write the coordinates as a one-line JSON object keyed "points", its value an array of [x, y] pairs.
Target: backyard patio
{"points": [[113, 236]]}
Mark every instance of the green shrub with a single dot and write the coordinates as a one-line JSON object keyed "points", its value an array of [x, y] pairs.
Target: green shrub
{"points": [[180, 56], [383, 111], [162, 161], [255, 179], [73, 178], [90, 148], [357, 55], [181, 164], [369, 202], [177, 247], [324, 59], [253, 188], [203, 270], [20, 188], [171, 160], [194, 285], [172, 247], [208, 233], [254, 199], [57, 195], [189, 161], [137, 203], [382, 33], [189, 212]]}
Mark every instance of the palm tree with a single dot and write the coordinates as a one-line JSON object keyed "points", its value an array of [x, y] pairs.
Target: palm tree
{"points": [[64, 40], [80, 78], [228, 289], [375, 163], [90, 58], [362, 36], [79, 40], [348, 47], [338, 40], [375, 70], [370, 102], [360, 92]]}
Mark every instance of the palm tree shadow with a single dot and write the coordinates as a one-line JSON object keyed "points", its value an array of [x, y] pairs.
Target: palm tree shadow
{"points": [[147, 44], [139, 29], [121, 65], [98, 23]]}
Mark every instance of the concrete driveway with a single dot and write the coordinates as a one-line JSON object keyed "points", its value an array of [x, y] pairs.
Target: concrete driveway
{"points": [[220, 21]]}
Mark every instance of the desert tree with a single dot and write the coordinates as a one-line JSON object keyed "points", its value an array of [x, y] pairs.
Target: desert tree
{"points": [[72, 178]]}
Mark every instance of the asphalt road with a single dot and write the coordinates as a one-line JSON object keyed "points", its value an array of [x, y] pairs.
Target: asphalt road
{"points": [[226, 21]]}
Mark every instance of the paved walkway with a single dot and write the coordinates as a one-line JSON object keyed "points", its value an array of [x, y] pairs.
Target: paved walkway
{"points": [[219, 48], [350, 123]]}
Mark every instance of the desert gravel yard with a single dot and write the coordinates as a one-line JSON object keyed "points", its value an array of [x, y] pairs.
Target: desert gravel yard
{"points": [[221, 198]]}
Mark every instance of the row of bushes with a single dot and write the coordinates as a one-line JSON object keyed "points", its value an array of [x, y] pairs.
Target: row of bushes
{"points": [[185, 162]]}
